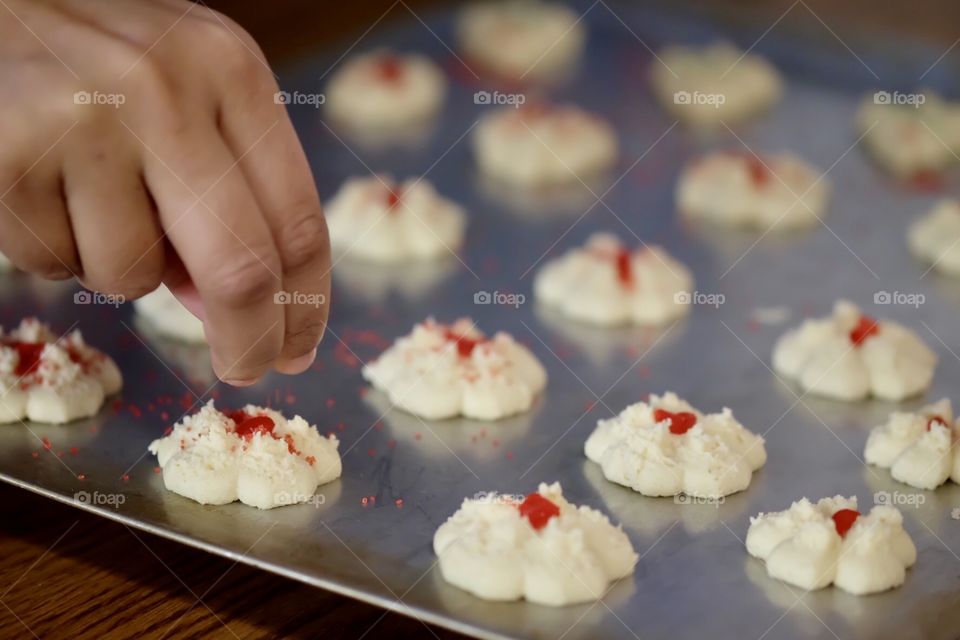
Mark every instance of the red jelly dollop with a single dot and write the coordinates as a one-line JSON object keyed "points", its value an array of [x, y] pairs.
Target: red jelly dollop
{"points": [[248, 426], [538, 510], [866, 328], [465, 345], [390, 68], [680, 422], [29, 356], [393, 199], [844, 519], [624, 267]]}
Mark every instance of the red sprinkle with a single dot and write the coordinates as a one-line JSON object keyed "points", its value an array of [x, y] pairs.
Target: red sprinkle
{"points": [[46, 443], [538, 510], [680, 422], [28, 356], [936, 420], [844, 519], [81, 477], [867, 327], [399, 503]]}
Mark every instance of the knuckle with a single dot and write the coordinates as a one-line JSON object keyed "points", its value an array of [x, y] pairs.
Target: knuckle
{"points": [[305, 336], [245, 280], [304, 237]]}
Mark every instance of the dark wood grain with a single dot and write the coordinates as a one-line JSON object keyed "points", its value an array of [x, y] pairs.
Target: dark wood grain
{"points": [[69, 574]]}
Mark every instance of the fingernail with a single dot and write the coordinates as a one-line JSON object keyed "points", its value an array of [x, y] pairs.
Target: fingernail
{"points": [[236, 382], [298, 364]]}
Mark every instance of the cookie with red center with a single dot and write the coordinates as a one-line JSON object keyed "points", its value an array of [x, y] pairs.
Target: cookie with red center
{"points": [[665, 447], [254, 455], [384, 91], [380, 220], [919, 447], [742, 189], [51, 379], [607, 283], [812, 545], [850, 355], [444, 370], [495, 547]]}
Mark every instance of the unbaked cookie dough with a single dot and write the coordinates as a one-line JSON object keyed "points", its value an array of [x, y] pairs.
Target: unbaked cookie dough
{"points": [[917, 447], [814, 545], [440, 371], [385, 90], [606, 283], [665, 447], [539, 547], [908, 138], [52, 380], [521, 39], [254, 455], [539, 144], [378, 220], [169, 317], [850, 356], [935, 238], [740, 189], [707, 86]]}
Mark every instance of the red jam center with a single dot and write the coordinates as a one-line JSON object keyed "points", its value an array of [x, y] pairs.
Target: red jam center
{"points": [[248, 426], [393, 199], [390, 68], [759, 174], [624, 267], [935, 420], [465, 345], [29, 356], [680, 422], [844, 519], [538, 510], [867, 327]]}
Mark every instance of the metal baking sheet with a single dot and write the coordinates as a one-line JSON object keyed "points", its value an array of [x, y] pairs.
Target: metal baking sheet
{"points": [[695, 578]]}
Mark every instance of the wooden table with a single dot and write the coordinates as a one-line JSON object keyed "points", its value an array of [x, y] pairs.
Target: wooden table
{"points": [[66, 574]]}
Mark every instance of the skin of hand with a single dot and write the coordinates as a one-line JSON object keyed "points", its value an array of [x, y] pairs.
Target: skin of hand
{"points": [[142, 143]]}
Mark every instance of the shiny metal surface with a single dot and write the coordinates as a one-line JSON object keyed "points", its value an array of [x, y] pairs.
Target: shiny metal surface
{"points": [[694, 579]]}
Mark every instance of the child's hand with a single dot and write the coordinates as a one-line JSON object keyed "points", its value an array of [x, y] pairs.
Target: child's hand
{"points": [[140, 142]]}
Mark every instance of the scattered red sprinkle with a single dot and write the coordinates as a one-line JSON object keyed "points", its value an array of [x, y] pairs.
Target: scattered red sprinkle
{"points": [[509, 455], [73, 451], [311, 460], [157, 469], [125, 477], [538, 510], [417, 435], [680, 422], [81, 477], [331, 402], [391, 444], [399, 503], [465, 345], [35, 454], [866, 327], [364, 501], [371, 452], [844, 519], [46, 443]]}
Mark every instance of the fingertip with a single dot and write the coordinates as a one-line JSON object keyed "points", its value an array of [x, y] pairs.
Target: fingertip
{"points": [[294, 366]]}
